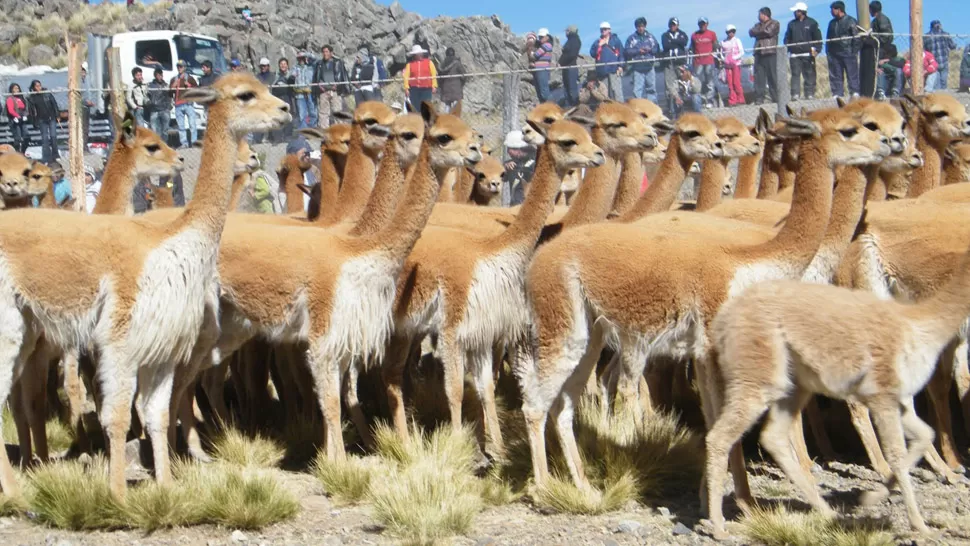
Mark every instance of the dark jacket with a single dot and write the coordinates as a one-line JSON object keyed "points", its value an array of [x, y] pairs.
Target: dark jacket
{"points": [[802, 35], [206, 80], [766, 36], [675, 45], [842, 28], [266, 78], [882, 28], [159, 97], [339, 74], [363, 73], [612, 52], [637, 42], [570, 50], [43, 107], [450, 89], [284, 93]]}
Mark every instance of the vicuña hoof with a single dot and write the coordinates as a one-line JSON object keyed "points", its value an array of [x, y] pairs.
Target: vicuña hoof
{"points": [[876, 496]]}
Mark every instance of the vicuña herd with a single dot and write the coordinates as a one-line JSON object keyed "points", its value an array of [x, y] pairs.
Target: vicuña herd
{"points": [[840, 268]]}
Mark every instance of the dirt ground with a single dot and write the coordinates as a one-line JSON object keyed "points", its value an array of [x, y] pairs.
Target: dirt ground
{"points": [[673, 520]]}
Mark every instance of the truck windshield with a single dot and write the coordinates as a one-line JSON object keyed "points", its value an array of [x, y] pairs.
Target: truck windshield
{"points": [[194, 51]]}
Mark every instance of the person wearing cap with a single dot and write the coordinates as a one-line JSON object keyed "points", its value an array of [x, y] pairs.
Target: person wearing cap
{"points": [[594, 91], [842, 50], [940, 44], [92, 188], [641, 52], [235, 65], [184, 110], [872, 45], [303, 93], [520, 166], [687, 93], [567, 60], [330, 77], [765, 33], [159, 104], [420, 78], [265, 74], [804, 40], [367, 74], [542, 64], [451, 88], [703, 45], [674, 43], [135, 96], [733, 52], [608, 53]]}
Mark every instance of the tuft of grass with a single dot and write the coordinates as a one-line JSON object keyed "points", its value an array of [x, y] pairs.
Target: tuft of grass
{"points": [[563, 496], [151, 506], [347, 481], [780, 527], [70, 495], [497, 492], [11, 506], [234, 447], [59, 436], [429, 491], [235, 497]]}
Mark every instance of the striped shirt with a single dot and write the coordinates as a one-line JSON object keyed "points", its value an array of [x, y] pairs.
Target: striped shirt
{"points": [[543, 55]]}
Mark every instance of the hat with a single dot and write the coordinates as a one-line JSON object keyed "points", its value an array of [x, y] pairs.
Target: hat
{"points": [[264, 62], [731, 28], [702, 20], [416, 49], [605, 24], [543, 32], [396, 106], [515, 140], [297, 144], [838, 4], [84, 65], [673, 21], [301, 54], [180, 63], [235, 62], [88, 169], [572, 29], [800, 6], [935, 22]]}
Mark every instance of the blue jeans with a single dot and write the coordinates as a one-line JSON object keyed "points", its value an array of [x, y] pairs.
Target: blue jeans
{"points": [[542, 84], [645, 85], [944, 77], [19, 134], [306, 107], [183, 112], [570, 81], [417, 95], [159, 121], [890, 81], [48, 140], [933, 83], [847, 67], [707, 74]]}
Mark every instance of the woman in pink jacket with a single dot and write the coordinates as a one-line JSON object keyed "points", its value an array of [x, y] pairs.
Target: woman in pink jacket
{"points": [[930, 71], [16, 109], [733, 53]]}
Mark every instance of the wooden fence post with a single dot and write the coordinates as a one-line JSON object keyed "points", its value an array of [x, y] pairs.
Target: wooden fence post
{"points": [[782, 80], [916, 45], [510, 121], [117, 93], [75, 127]]}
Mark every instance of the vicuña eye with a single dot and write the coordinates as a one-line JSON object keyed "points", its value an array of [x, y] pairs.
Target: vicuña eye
{"points": [[246, 96], [444, 139], [849, 133], [152, 148]]}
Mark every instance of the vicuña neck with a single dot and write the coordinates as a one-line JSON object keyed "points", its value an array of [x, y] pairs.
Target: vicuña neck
{"points": [[239, 183], [523, 233], [385, 197], [464, 187], [770, 170], [359, 175], [294, 197], [662, 191], [447, 192], [631, 178], [747, 185], [942, 314], [714, 173], [798, 240], [118, 183], [594, 198], [847, 206], [331, 173], [875, 185], [926, 177], [210, 202]]}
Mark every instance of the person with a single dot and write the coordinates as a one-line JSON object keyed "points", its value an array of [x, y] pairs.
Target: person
{"points": [[940, 44], [367, 74], [451, 89], [965, 70], [871, 48], [804, 40], [594, 91], [235, 65], [674, 43], [303, 93], [733, 51], [265, 74], [642, 49], [135, 96], [520, 166], [842, 49], [283, 90], [261, 194], [608, 54], [765, 33], [397, 108], [687, 92], [930, 70], [44, 113], [62, 188], [420, 78], [889, 73], [567, 60], [89, 98], [207, 77], [17, 112], [703, 45], [330, 77], [92, 188], [184, 110], [542, 64], [159, 104]]}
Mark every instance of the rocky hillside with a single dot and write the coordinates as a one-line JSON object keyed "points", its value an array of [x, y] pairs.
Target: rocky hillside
{"points": [[34, 30]]}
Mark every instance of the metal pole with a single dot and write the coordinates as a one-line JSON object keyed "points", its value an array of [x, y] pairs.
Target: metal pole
{"points": [[782, 80], [75, 137], [916, 45]]}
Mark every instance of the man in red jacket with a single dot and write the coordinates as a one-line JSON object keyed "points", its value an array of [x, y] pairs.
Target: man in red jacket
{"points": [[703, 44]]}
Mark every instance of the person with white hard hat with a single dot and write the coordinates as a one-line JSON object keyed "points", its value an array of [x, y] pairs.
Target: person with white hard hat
{"points": [[609, 56], [542, 63], [267, 77], [733, 51], [804, 41]]}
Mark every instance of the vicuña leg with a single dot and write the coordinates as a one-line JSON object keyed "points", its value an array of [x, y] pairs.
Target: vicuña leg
{"points": [[116, 375], [453, 358], [938, 390], [327, 372], [859, 414], [155, 384], [481, 362], [353, 403], [392, 371]]}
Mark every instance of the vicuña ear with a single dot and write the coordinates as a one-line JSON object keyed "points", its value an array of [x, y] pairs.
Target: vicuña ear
{"points": [[428, 113], [343, 116], [948, 153], [789, 109], [129, 126], [907, 110], [664, 127], [796, 127], [917, 102], [201, 95], [315, 132], [305, 189], [456, 111], [764, 122], [841, 102], [537, 128], [575, 115]]}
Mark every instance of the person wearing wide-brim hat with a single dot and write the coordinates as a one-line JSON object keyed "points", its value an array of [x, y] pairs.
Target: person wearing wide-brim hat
{"points": [[420, 78]]}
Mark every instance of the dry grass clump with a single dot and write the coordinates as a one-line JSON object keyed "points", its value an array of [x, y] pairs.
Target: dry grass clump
{"points": [[59, 436], [429, 491], [11, 506], [234, 447], [347, 481], [151, 506], [236, 497], [780, 527], [72, 495], [561, 495]]}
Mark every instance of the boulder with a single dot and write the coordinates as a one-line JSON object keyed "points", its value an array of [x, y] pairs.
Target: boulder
{"points": [[40, 54]]}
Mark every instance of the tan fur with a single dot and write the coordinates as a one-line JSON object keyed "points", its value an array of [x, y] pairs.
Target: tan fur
{"points": [[941, 120], [15, 180], [956, 164], [628, 190], [485, 189], [290, 174]]}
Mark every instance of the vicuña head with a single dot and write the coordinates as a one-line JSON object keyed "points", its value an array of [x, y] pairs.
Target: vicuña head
{"points": [[620, 129], [882, 118], [489, 177], [698, 138], [652, 115], [408, 131], [570, 146], [42, 178], [14, 176], [846, 140], [246, 159], [739, 139], [944, 118], [149, 154], [250, 108], [544, 115], [374, 118], [334, 140], [451, 142]]}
